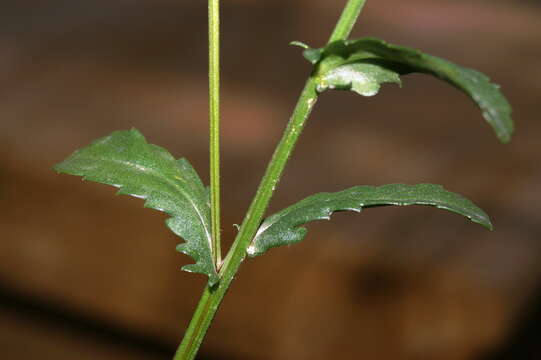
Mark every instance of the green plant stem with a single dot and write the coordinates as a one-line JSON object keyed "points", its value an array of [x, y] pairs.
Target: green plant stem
{"points": [[214, 111], [212, 297], [347, 20]]}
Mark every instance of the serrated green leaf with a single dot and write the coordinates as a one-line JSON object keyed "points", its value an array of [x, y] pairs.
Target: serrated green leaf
{"points": [[284, 227], [403, 60], [125, 160]]}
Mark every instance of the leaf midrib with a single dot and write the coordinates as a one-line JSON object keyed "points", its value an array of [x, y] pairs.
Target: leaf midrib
{"points": [[375, 202]]}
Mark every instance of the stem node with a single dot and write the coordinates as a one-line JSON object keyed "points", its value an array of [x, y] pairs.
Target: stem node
{"points": [[212, 297]]}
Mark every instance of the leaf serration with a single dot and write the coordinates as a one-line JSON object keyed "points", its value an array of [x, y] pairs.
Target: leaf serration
{"points": [[285, 227], [127, 161]]}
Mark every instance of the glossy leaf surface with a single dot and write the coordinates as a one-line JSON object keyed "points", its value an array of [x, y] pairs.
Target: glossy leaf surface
{"points": [[284, 227], [125, 160], [403, 60], [361, 77]]}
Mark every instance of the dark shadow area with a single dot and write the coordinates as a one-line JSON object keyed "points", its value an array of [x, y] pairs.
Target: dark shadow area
{"points": [[54, 317], [524, 340]]}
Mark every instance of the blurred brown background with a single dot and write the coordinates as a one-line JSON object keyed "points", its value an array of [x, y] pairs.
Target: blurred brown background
{"points": [[87, 275]]}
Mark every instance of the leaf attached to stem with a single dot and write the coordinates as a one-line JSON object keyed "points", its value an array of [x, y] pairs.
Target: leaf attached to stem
{"points": [[127, 161]]}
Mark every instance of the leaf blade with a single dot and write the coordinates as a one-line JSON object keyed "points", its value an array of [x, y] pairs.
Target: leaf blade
{"points": [[494, 106], [403, 60], [126, 160], [364, 78], [284, 227]]}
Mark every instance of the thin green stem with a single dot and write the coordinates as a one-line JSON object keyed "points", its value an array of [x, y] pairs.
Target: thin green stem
{"points": [[214, 111], [347, 20], [212, 297]]}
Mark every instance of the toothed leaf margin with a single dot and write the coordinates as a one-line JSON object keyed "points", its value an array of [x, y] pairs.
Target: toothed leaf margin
{"points": [[284, 227], [127, 161]]}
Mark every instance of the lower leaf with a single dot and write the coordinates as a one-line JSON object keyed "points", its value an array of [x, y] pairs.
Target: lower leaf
{"points": [[283, 228]]}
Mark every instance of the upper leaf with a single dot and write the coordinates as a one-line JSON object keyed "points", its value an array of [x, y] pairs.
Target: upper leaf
{"points": [[283, 228], [403, 60], [124, 159]]}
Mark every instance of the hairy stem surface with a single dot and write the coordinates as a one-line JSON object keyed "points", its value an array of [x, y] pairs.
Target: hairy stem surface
{"points": [[212, 297]]}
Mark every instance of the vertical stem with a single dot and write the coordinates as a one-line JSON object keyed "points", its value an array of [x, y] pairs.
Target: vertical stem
{"points": [[214, 111], [212, 297], [347, 20]]}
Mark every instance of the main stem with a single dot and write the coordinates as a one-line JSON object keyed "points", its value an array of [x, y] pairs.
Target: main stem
{"points": [[214, 112], [212, 296], [347, 20]]}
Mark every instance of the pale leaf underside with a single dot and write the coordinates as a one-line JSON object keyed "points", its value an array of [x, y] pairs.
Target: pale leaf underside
{"points": [[364, 78]]}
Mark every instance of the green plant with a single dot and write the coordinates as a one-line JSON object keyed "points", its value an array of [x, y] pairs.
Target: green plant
{"points": [[124, 159]]}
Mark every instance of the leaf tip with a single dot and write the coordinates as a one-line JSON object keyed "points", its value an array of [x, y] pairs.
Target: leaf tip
{"points": [[213, 277], [299, 44], [134, 131], [64, 167], [309, 53], [485, 222], [505, 137], [181, 248], [57, 168]]}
